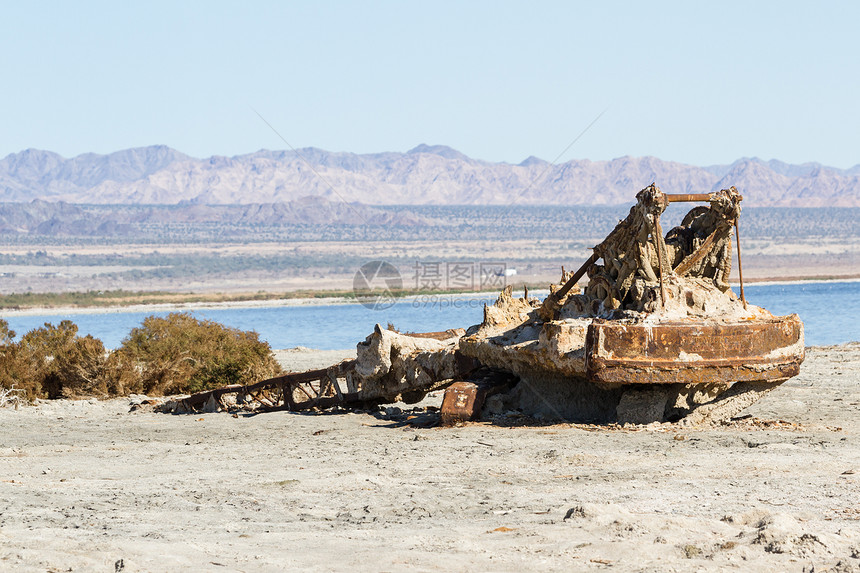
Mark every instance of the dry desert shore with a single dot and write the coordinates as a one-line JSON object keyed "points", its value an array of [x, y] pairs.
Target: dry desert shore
{"points": [[93, 486]]}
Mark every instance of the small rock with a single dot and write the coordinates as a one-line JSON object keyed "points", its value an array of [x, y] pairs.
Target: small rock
{"points": [[576, 512], [691, 551]]}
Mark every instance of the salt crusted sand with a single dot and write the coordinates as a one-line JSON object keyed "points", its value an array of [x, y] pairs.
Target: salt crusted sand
{"points": [[90, 486]]}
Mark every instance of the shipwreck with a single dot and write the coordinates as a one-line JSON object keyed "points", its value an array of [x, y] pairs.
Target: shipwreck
{"points": [[654, 334]]}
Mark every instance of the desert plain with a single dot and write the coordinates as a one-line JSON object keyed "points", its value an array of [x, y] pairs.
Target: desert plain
{"points": [[111, 485], [537, 263]]}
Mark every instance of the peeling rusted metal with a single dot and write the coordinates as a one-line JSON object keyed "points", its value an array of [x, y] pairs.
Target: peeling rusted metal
{"points": [[740, 267], [294, 391], [441, 335], [462, 402], [464, 399], [669, 353]]}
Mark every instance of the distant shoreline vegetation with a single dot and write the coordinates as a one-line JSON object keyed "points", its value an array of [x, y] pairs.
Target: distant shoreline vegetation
{"points": [[120, 298], [123, 298]]}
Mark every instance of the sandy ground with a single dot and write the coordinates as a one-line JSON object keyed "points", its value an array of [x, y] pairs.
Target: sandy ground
{"points": [[90, 486]]}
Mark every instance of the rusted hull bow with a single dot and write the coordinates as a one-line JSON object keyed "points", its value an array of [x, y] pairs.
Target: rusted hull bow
{"points": [[675, 352]]}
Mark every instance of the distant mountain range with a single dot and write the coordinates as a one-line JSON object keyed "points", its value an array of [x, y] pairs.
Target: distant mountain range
{"points": [[61, 219], [424, 175]]}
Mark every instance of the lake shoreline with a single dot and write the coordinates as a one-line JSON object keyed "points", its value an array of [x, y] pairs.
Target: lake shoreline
{"points": [[339, 300]]}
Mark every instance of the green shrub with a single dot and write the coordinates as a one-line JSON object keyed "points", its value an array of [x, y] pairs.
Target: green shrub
{"points": [[80, 370], [52, 362], [175, 354], [6, 336], [40, 348], [15, 371], [181, 354]]}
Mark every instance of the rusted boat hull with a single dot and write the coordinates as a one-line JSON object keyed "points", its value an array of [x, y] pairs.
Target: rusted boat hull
{"points": [[689, 353]]}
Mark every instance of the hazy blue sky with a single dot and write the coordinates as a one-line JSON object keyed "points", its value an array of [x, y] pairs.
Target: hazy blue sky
{"points": [[696, 82]]}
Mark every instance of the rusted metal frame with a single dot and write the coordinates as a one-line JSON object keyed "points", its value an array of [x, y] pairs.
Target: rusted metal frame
{"points": [[687, 264], [308, 376], [318, 401], [332, 377], [312, 401], [701, 375], [571, 282], [269, 397], [661, 251], [691, 197], [293, 379], [442, 335], [652, 354], [669, 364], [699, 254], [348, 399], [686, 197], [696, 257], [303, 391], [701, 342], [288, 401], [740, 269]]}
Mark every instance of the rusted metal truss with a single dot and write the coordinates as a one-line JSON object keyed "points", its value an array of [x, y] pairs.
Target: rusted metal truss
{"points": [[349, 383], [690, 248], [322, 388]]}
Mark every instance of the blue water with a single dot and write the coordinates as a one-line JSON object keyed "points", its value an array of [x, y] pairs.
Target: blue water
{"points": [[829, 310], [326, 327]]}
